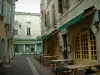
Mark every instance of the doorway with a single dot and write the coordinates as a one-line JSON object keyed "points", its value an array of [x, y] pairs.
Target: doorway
{"points": [[64, 36]]}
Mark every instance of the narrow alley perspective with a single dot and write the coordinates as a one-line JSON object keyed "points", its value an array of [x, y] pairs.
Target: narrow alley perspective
{"points": [[49, 37]]}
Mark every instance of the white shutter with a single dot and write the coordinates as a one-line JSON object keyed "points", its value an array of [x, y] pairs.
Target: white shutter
{"points": [[26, 31], [66, 4], [18, 31], [31, 32]]}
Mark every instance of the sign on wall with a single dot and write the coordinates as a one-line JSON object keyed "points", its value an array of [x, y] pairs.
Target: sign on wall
{"points": [[38, 44]]}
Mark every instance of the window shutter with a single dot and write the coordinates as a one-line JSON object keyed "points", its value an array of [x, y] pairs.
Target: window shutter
{"points": [[18, 31], [1, 7], [31, 32], [53, 14], [7, 12], [26, 31], [66, 4], [45, 20]]}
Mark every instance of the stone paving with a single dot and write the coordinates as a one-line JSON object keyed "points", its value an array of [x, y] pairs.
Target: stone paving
{"points": [[18, 66]]}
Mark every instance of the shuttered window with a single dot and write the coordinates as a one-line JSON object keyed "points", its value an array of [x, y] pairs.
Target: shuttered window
{"points": [[60, 7], [48, 18], [28, 31], [66, 4], [18, 31], [1, 6], [15, 31], [53, 14], [45, 20], [48, 1], [7, 12], [31, 32]]}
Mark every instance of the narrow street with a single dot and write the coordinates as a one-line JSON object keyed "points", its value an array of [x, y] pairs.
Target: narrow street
{"points": [[26, 65], [49, 37], [19, 66]]}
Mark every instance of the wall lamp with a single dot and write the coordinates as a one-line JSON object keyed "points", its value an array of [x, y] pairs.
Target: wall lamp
{"points": [[96, 24]]}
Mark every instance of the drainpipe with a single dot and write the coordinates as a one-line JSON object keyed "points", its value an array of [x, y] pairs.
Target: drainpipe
{"points": [[6, 50], [12, 22]]}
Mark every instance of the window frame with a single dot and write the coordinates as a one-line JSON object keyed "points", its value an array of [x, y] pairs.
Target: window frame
{"points": [[82, 52]]}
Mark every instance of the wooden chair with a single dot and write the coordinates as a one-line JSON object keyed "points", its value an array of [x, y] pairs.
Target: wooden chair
{"points": [[60, 70], [49, 63], [98, 73]]}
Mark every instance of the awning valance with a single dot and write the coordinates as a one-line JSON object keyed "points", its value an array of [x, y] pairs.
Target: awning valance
{"points": [[72, 21], [46, 36], [78, 18]]}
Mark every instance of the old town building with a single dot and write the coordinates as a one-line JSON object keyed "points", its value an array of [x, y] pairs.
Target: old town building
{"points": [[71, 29]]}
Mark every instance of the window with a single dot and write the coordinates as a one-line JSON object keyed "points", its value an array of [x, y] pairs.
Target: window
{"points": [[77, 46], [1, 6], [28, 31], [53, 14], [66, 4], [93, 46], [60, 8], [15, 31], [47, 19], [85, 44], [48, 1], [63, 5]]}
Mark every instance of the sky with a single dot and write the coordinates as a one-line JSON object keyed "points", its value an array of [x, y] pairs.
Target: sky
{"points": [[32, 6]]}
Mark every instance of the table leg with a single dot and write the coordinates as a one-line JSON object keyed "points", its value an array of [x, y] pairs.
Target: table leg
{"points": [[40, 59], [74, 71]]}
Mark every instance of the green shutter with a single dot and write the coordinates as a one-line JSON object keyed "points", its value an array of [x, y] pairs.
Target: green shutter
{"points": [[7, 12], [71, 22], [1, 7]]}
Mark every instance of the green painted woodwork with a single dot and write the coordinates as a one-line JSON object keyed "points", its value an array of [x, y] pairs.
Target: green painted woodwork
{"points": [[71, 22]]}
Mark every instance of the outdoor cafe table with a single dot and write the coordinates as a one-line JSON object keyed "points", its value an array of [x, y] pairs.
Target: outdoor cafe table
{"points": [[59, 61], [41, 57], [45, 58], [74, 68]]}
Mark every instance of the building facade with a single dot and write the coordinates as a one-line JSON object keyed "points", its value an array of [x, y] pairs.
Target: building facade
{"points": [[7, 11], [71, 29], [26, 30]]}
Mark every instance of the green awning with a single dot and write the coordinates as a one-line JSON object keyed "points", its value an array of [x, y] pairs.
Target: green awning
{"points": [[72, 21], [45, 36], [24, 39], [48, 36]]}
